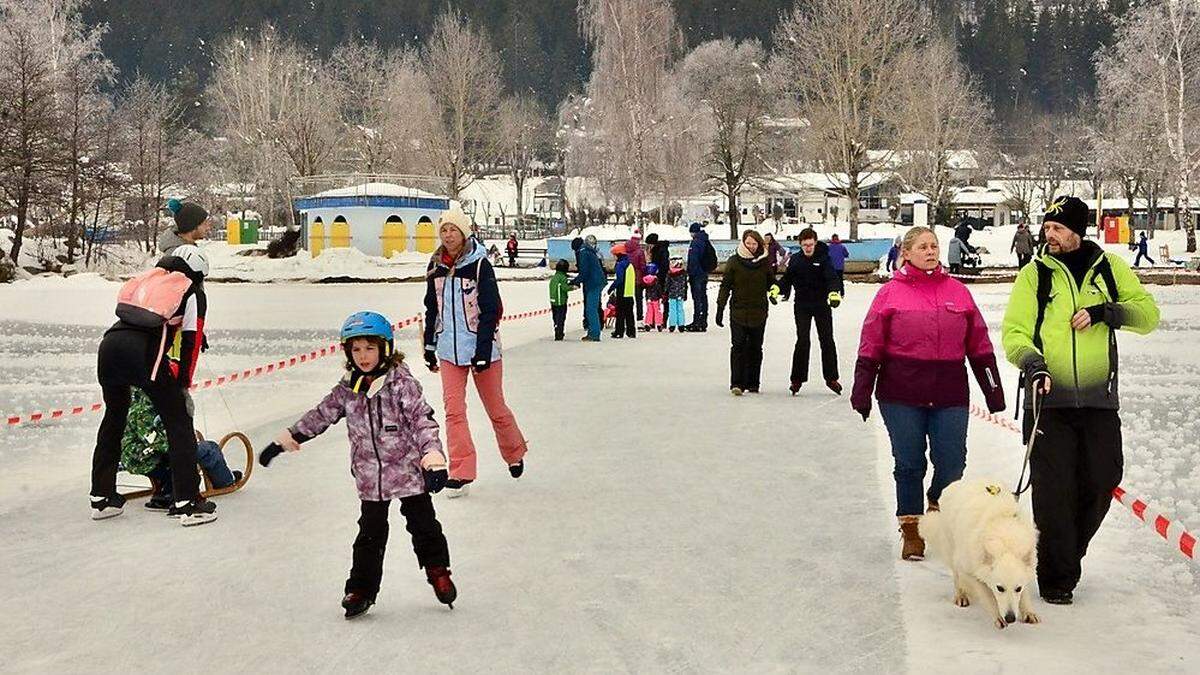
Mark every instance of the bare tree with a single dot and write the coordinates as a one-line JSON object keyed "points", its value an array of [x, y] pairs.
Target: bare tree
{"points": [[937, 122], [151, 118], [1159, 44], [633, 42], [726, 77], [1048, 154], [29, 141], [524, 128], [463, 74], [681, 146], [837, 62]]}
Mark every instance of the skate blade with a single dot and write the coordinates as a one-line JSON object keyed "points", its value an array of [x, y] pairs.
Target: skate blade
{"points": [[106, 513], [459, 493]]}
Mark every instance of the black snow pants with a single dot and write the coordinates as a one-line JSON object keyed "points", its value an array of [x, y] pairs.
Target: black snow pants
{"points": [[806, 314], [559, 312], [428, 542], [169, 402], [1076, 463], [626, 324], [745, 355]]}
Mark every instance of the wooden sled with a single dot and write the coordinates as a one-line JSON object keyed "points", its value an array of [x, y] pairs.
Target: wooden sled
{"points": [[209, 490]]}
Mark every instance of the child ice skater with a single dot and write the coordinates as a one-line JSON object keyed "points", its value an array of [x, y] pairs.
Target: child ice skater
{"points": [[654, 300], [395, 453], [559, 287], [677, 291], [624, 287]]}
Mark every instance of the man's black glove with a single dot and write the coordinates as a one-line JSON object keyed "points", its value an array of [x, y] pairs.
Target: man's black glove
{"points": [[720, 318], [435, 480], [481, 364], [269, 453], [431, 360]]}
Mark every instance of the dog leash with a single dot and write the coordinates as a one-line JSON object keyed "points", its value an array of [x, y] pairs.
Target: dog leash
{"points": [[1024, 484]]}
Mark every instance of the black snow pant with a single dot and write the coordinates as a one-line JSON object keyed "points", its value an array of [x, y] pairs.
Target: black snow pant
{"points": [[806, 314], [171, 405], [640, 294], [560, 320], [745, 355], [512, 259], [1023, 259], [1076, 463], [428, 542], [699, 288], [626, 323], [1137, 262]]}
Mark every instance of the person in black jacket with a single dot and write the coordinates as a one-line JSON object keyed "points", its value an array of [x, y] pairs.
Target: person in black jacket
{"points": [[660, 255], [817, 289], [134, 356]]}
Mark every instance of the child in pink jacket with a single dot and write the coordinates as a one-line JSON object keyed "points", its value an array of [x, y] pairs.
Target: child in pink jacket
{"points": [[921, 331], [395, 453]]}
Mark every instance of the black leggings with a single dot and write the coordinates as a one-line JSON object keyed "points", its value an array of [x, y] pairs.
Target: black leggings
{"points": [[170, 404], [428, 542]]}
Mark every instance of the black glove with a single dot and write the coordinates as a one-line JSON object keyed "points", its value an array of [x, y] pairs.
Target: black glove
{"points": [[269, 453], [435, 480], [431, 360], [865, 412], [481, 364], [720, 319]]}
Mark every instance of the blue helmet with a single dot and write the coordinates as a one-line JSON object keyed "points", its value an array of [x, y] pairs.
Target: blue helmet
{"points": [[368, 324]]}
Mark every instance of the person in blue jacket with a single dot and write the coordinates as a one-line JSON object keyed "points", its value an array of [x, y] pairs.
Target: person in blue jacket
{"points": [[837, 257], [1143, 251], [591, 276], [698, 279]]}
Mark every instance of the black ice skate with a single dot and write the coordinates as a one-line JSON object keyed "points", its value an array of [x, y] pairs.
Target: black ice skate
{"points": [[515, 470], [107, 507], [196, 512], [356, 604]]}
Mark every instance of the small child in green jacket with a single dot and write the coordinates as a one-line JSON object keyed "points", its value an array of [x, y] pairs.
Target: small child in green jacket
{"points": [[559, 287]]}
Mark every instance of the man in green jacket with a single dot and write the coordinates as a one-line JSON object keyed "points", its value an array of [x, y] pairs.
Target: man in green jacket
{"points": [[1060, 330]]}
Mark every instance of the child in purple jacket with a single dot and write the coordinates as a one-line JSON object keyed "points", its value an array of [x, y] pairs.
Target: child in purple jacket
{"points": [[395, 453]]}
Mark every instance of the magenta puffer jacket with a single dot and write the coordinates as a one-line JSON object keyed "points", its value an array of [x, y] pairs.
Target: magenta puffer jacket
{"points": [[391, 427], [920, 328]]}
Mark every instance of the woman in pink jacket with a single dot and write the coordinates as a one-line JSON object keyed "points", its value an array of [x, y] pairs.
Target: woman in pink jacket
{"points": [[921, 327]]}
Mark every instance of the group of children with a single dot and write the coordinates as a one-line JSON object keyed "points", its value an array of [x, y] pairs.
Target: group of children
{"points": [[664, 294]]}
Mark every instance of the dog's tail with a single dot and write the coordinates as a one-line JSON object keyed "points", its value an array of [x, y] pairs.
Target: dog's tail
{"points": [[932, 526]]}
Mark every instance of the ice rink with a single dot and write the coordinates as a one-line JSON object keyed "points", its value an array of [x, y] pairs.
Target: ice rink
{"points": [[661, 525]]}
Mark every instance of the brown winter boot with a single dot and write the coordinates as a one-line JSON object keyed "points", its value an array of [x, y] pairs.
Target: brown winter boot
{"points": [[913, 546]]}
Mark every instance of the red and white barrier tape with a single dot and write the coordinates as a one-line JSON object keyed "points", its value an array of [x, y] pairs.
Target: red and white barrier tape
{"points": [[266, 369], [1170, 530]]}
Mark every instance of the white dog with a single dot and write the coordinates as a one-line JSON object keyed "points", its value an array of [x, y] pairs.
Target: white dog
{"points": [[989, 546]]}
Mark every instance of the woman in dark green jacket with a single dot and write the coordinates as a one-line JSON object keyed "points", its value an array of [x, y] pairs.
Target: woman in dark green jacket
{"points": [[744, 286]]}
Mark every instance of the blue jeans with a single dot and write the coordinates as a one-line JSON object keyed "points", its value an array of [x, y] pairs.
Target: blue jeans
{"points": [[208, 456], [912, 429], [591, 309], [699, 287]]}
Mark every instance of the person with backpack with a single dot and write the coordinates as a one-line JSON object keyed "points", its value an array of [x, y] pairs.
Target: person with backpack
{"points": [[701, 261], [592, 278], [637, 259], [559, 288], [462, 320], [152, 309], [191, 225], [623, 289], [660, 257], [818, 290], [921, 332], [744, 288], [1060, 331], [1023, 245]]}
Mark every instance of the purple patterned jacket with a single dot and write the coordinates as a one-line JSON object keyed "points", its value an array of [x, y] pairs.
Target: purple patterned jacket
{"points": [[391, 427]]}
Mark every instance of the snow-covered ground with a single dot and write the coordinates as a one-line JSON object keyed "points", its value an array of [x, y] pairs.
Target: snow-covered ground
{"points": [[661, 525]]}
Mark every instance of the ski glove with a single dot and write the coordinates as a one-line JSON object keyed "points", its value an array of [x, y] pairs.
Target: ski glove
{"points": [[480, 363], [835, 299], [773, 294], [269, 453], [721, 318], [435, 480], [431, 360]]}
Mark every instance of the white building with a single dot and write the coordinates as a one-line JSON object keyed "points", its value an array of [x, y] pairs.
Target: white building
{"points": [[376, 218]]}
